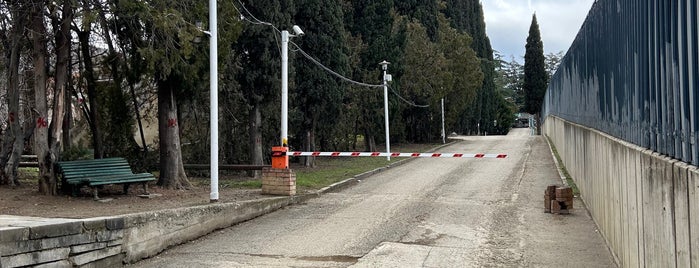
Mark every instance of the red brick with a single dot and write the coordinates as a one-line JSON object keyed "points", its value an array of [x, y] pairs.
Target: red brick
{"points": [[564, 192]]}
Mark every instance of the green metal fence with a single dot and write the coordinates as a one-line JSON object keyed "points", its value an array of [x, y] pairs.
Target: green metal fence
{"points": [[632, 72]]}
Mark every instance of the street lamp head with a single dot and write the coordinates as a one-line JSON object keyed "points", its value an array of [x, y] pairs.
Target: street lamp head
{"points": [[297, 30], [384, 65]]}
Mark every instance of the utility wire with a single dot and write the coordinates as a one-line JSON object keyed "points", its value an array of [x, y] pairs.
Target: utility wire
{"points": [[298, 49], [407, 101], [258, 22], [309, 57]]}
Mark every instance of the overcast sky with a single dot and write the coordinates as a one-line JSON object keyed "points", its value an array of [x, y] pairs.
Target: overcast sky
{"points": [[507, 23]]}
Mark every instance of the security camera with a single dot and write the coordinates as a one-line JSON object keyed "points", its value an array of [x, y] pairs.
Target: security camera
{"points": [[297, 30]]}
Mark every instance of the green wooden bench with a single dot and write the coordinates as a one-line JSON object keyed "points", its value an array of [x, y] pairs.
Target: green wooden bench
{"points": [[96, 173]]}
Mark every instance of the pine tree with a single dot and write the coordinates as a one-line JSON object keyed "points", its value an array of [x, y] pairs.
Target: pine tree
{"points": [[535, 75]]}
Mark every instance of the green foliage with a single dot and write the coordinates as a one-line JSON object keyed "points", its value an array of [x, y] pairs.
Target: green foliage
{"points": [[258, 50], [478, 118], [423, 81], [535, 75], [437, 49], [165, 46], [510, 80], [552, 61], [76, 153], [465, 74], [317, 93], [118, 121], [425, 12]]}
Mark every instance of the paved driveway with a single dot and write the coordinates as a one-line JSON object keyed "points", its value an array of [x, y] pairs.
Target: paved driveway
{"points": [[427, 213]]}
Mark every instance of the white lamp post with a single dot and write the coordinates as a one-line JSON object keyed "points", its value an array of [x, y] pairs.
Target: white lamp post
{"points": [[444, 133], [213, 91], [386, 77], [285, 82]]}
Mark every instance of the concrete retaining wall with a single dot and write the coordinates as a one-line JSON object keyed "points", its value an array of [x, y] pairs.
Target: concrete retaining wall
{"points": [[645, 205], [112, 241]]}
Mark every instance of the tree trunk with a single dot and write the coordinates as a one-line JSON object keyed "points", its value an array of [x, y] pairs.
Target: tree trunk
{"points": [[16, 154], [14, 129], [63, 63], [256, 157], [172, 175], [310, 142], [68, 116], [309, 146], [47, 182], [84, 38], [369, 140]]}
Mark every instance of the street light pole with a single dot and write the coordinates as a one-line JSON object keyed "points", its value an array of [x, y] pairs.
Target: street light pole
{"points": [[285, 82], [285, 88], [213, 91], [444, 133], [386, 77]]}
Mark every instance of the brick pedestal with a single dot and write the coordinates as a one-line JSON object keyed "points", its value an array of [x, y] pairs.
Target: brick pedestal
{"points": [[278, 181]]}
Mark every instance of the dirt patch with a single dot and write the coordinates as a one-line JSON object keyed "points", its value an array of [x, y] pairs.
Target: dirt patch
{"points": [[25, 200]]}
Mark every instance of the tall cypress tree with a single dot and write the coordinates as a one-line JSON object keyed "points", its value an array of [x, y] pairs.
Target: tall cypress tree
{"points": [[535, 75], [371, 22], [259, 79], [424, 11], [318, 94], [467, 16]]}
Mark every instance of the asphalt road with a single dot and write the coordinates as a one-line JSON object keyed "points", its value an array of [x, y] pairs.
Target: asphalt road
{"points": [[426, 213]]}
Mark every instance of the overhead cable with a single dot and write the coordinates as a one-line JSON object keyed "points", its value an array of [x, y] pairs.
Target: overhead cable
{"points": [[298, 49]]}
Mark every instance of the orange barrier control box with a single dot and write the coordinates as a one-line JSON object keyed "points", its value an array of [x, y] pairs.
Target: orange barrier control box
{"points": [[280, 160]]}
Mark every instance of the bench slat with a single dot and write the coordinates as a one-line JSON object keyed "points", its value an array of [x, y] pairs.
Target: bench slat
{"points": [[100, 172], [122, 176], [114, 164], [96, 176], [127, 180], [96, 172], [102, 160]]}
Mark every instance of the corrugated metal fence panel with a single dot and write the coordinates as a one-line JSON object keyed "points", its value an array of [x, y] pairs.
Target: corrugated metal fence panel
{"points": [[632, 72]]}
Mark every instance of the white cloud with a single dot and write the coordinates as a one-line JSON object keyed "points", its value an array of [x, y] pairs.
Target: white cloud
{"points": [[508, 22]]}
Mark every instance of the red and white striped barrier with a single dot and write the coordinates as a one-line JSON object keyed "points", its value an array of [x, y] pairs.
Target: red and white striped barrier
{"points": [[377, 154]]}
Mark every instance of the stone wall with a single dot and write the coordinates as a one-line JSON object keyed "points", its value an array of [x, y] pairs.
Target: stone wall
{"points": [[60, 242], [113, 241]]}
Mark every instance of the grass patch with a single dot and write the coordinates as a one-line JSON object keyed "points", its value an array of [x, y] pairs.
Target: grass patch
{"points": [[28, 175], [329, 171], [332, 170], [569, 179]]}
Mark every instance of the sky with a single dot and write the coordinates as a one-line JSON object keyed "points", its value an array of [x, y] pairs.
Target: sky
{"points": [[507, 23]]}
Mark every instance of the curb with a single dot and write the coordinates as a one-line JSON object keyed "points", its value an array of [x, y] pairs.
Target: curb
{"points": [[555, 160]]}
